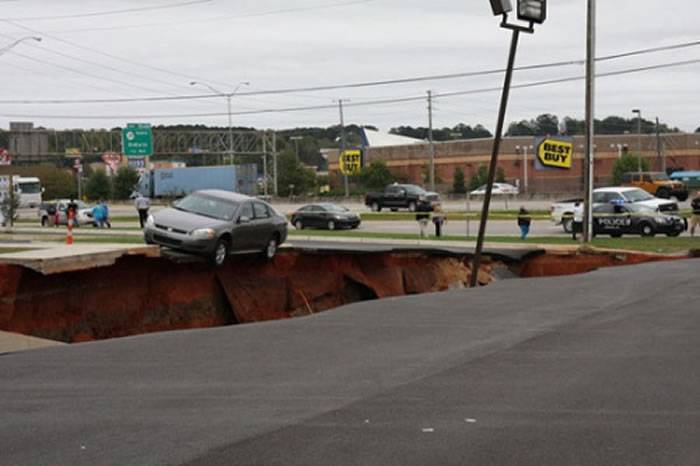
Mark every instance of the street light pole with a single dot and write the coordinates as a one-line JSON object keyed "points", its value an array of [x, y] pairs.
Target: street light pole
{"points": [[534, 12], [430, 140], [589, 166], [639, 138], [228, 96]]}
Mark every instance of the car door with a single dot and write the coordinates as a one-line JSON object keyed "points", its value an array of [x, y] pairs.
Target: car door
{"points": [[243, 230], [262, 225], [315, 215], [391, 196]]}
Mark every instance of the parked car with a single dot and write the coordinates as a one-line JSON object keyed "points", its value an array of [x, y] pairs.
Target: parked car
{"points": [[324, 215], [215, 223], [403, 196], [691, 179], [657, 183], [83, 215], [618, 219], [498, 189], [562, 213]]}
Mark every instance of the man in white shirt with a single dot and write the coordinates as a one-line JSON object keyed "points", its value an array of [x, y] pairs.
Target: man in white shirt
{"points": [[142, 204]]}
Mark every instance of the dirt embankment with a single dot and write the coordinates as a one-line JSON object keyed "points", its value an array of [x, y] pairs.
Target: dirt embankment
{"points": [[140, 295]]}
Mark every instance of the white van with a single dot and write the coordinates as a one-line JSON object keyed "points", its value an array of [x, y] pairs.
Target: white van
{"points": [[29, 190]]}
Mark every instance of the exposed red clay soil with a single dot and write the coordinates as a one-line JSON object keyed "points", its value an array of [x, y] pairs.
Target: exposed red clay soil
{"points": [[139, 295]]}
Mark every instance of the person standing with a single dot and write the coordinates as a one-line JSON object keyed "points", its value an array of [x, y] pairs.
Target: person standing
{"points": [[577, 224], [695, 219], [142, 204], [423, 218], [524, 221], [438, 220]]}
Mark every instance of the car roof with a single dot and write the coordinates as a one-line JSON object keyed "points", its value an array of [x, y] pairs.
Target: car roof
{"points": [[225, 195], [684, 174], [615, 189]]}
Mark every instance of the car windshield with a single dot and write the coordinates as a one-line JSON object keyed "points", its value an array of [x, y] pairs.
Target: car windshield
{"points": [[207, 206], [30, 187], [415, 190], [637, 195], [334, 208]]}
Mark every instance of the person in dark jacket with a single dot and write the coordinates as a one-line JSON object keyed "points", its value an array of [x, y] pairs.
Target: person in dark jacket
{"points": [[695, 219], [524, 221], [438, 220]]}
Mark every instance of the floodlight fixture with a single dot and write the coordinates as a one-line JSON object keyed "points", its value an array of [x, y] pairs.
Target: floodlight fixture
{"points": [[501, 7], [534, 11]]}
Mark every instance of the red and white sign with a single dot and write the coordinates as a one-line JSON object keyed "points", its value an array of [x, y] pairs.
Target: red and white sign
{"points": [[112, 160], [5, 157]]}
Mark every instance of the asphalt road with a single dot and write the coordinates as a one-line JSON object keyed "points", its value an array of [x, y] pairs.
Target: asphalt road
{"points": [[577, 370]]}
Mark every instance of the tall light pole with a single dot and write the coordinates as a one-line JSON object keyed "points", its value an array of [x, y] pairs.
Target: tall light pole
{"points": [[296, 140], [431, 142], [229, 96], [589, 166], [14, 44], [531, 11], [525, 165], [639, 138]]}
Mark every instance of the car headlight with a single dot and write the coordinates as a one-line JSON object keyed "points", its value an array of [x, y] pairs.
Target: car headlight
{"points": [[338, 217], [150, 221], [203, 233], [662, 219], [422, 198]]}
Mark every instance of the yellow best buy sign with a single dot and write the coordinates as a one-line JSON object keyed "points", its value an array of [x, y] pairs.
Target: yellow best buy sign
{"points": [[351, 162], [555, 153]]}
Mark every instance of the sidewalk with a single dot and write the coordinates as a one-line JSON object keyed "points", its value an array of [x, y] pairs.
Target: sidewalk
{"points": [[12, 342]]}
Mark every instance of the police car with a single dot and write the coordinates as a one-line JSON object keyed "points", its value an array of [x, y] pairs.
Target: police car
{"points": [[616, 219]]}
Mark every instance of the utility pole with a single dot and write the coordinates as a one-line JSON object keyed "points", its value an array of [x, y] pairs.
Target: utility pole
{"points": [[639, 138], [342, 144], [430, 139], [264, 149], [589, 166], [661, 159], [274, 160]]}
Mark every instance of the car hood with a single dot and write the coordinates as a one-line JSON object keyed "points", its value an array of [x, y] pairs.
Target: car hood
{"points": [[655, 202], [187, 221]]}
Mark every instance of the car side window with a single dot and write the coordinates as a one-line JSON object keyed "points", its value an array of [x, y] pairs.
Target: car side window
{"points": [[261, 210], [599, 197], [392, 189], [646, 178], [246, 210]]}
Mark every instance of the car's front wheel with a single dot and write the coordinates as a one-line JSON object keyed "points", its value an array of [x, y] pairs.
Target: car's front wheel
{"points": [[376, 207], [220, 254], [567, 222], [412, 206], [331, 225], [673, 234], [299, 225], [663, 193], [647, 229], [271, 248]]}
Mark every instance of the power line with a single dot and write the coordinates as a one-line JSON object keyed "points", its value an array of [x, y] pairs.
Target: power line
{"points": [[109, 12], [370, 102], [356, 85]]}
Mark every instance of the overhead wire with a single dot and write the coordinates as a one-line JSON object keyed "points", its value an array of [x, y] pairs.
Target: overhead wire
{"points": [[436, 77], [110, 12], [381, 101]]}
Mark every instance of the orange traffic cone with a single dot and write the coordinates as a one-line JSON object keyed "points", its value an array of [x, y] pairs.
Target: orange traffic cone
{"points": [[69, 234]]}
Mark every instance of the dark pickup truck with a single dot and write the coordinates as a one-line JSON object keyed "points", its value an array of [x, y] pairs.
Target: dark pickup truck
{"points": [[402, 196]]}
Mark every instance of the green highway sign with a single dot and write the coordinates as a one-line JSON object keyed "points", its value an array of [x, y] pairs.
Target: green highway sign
{"points": [[137, 140]]}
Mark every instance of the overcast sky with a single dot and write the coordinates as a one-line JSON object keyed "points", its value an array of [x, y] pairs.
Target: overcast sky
{"points": [[277, 44]]}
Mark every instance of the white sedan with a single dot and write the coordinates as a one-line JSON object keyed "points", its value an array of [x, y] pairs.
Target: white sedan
{"points": [[498, 188]]}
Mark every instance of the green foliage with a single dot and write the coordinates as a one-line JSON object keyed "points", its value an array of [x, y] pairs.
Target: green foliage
{"points": [[58, 183], [458, 182], [124, 182], [548, 124], [9, 207], [460, 131], [500, 175], [292, 172], [98, 186], [376, 176], [479, 178], [627, 163]]}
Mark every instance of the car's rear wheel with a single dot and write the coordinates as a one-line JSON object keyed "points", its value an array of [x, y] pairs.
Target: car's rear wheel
{"points": [[299, 225], [682, 197], [220, 254], [663, 193], [44, 221], [567, 222], [331, 225], [376, 207], [271, 248], [646, 229]]}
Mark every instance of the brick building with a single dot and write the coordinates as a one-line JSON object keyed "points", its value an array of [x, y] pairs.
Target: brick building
{"points": [[409, 163]]}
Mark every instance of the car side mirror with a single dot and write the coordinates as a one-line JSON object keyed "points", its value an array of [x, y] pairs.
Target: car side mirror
{"points": [[243, 220]]}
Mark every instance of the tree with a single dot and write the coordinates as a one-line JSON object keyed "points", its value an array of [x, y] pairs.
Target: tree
{"points": [[521, 128], [500, 175], [458, 185], [627, 163], [479, 178], [293, 173], [376, 176], [98, 186], [124, 183], [547, 124]]}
